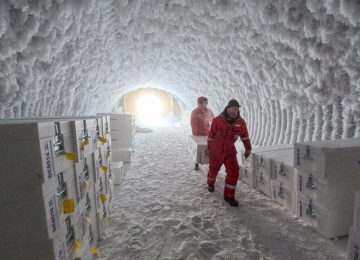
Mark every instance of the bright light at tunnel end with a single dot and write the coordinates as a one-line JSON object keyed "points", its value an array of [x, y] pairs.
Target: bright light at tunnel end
{"points": [[149, 110]]}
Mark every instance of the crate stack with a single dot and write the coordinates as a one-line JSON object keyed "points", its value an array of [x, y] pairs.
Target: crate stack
{"points": [[327, 176], [269, 170], [283, 190], [354, 235], [263, 162], [48, 180], [122, 128], [251, 166]]}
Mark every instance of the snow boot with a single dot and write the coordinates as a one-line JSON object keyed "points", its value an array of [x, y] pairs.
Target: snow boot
{"points": [[232, 202], [211, 189], [196, 167]]}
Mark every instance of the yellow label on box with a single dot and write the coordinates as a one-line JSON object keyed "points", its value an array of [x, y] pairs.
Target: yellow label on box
{"points": [[103, 197], [70, 156], [102, 139], [77, 245], [85, 142], [68, 206], [86, 183], [104, 168], [93, 250]]}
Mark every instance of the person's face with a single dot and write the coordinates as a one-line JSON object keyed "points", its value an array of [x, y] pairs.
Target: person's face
{"points": [[232, 111], [203, 104]]}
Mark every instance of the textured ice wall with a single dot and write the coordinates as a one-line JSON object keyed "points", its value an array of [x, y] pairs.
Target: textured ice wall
{"points": [[294, 65]]}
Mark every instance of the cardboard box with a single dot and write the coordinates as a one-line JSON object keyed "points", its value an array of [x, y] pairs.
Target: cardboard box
{"points": [[263, 183], [247, 176], [330, 193], [331, 223], [329, 159], [282, 170], [121, 155], [117, 172], [197, 146], [283, 195]]}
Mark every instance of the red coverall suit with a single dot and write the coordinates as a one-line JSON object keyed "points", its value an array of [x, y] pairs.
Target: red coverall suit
{"points": [[221, 139], [200, 121]]}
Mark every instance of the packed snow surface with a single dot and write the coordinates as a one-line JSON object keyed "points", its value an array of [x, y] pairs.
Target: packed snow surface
{"points": [[162, 210]]}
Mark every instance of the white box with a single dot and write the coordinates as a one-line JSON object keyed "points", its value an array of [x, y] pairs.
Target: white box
{"points": [[71, 194], [259, 150], [82, 138], [109, 179], [110, 201], [72, 130], [121, 143], [35, 248], [84, 253], [283, 195], [38, 140], [282, 170], [197, 146], [357, 210], [98, 161], [107, 151], [118, 172], [330, 193], [17, 192], [105, 118], [93, 127], [331, 223], [125, 122], [87, 208], [354, 244], [263, 160], [247, 176], [99, 188], [36, 217], [81, 227], [329, 159], [84, 176], [121, 155], [263, 183], [102, 220], [43, 216]]}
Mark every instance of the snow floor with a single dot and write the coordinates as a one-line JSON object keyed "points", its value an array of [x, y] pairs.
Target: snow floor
{"points": [[162, 210]]}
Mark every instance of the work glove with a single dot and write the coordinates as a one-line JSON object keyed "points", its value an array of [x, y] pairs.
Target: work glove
{"points": [[247, 153]]}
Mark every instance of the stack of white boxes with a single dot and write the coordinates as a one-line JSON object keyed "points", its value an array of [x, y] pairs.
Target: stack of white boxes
{"points": [[122, 128], [354, 235], [48, 184], [257, 170], [263, 164], [327, 176], [197, 146]]}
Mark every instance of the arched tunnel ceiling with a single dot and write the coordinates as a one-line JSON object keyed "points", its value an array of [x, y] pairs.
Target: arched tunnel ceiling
{"points": [[294, 65]]}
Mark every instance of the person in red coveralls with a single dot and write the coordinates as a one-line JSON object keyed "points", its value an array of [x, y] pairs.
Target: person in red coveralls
{"points": [[201, 119], [224, 131]]}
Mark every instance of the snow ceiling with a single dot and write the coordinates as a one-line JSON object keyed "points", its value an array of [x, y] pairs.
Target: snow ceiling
{"points": [[293, 65]]}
